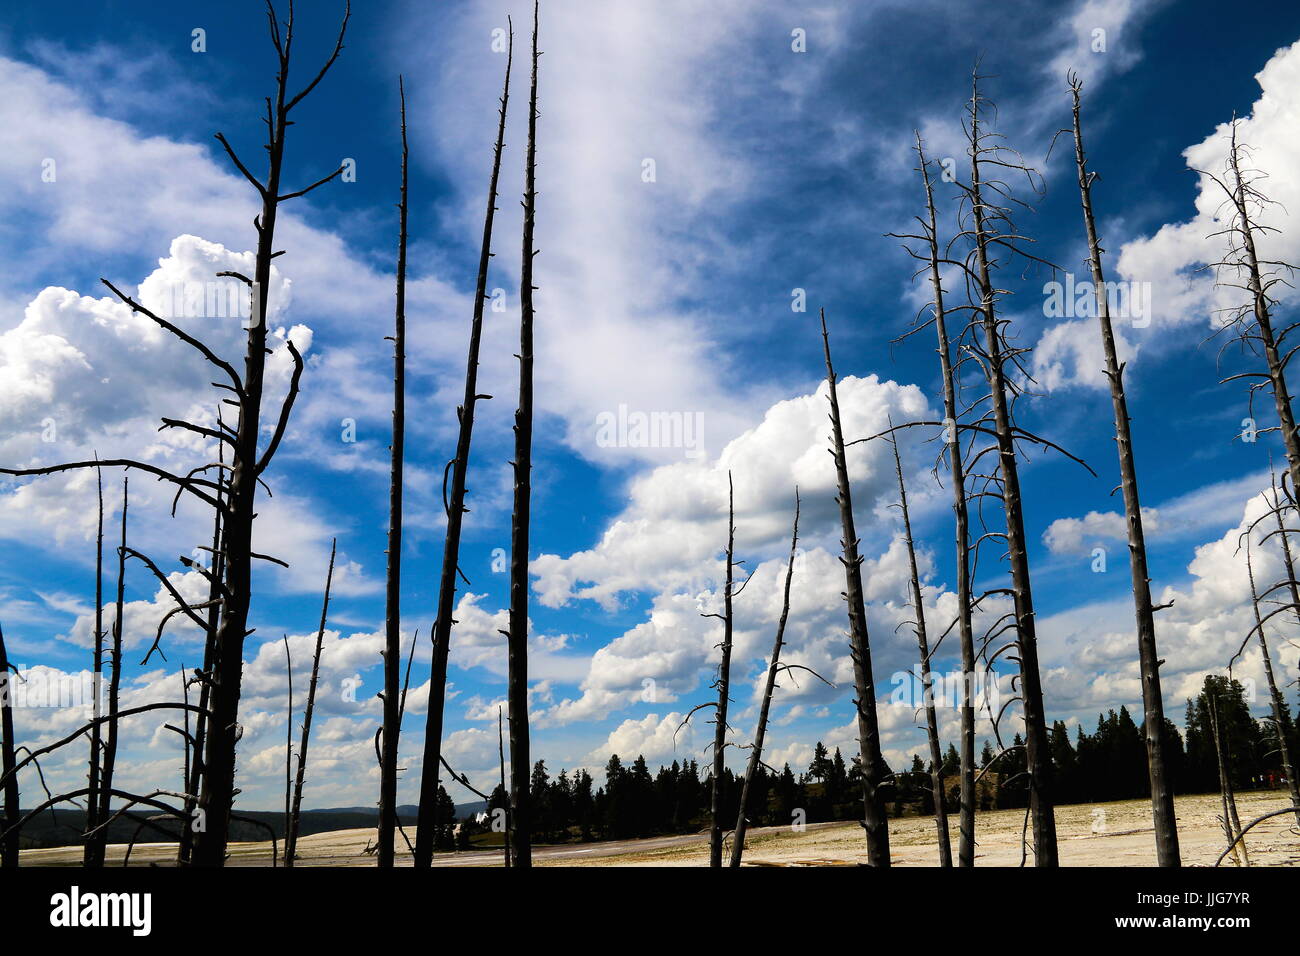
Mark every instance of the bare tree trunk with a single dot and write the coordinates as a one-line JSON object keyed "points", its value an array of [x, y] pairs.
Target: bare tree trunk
{"points": [[90, 851], [1231, 822], [1031, 693], [1276, 700], [427, 821], [1293, 586], [723, 686], [957, 470], [288, 738], [9, 845], [218, 794], [186, 737], [774, 664], [105, 792], [393, 593], [295, 811], [923, 646], [517, 693], [1243, 258], [501, 752], [875, 821], [185, 845], [1162, 794]]}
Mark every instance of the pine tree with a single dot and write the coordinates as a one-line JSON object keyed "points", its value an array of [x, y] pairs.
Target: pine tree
{"points": [[1065, 762], [538, 791], [837, 780], [820, 768], [951, 761]]}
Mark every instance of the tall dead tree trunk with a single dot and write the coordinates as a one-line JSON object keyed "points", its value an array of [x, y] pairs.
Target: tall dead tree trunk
{"points": [[218, 793], [875, 821], [923, 646], [1228, 798], [1260, 275], [186, 737], [773, 666], [105, 791], [427, 821], [517, 691], [723, 685], [186, 842], [1293, 586], [961, 512], [1162, 794], [995, 358], [393, 592], [9, 844], [1276, 700], [501, 753], [89, 852], [288, 737], [295, 810]]}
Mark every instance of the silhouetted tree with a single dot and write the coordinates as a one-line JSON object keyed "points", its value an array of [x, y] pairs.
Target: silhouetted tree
{"points": [[455, 502], [517, 638], [392, 652], [1162, 795], [874, 772], [295, 812]]}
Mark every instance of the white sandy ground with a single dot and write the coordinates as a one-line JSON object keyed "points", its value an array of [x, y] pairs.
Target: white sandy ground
{"points": [[1103, 834]]}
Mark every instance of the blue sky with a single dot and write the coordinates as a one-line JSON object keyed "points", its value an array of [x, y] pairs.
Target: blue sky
{"points": [[774, 170]]}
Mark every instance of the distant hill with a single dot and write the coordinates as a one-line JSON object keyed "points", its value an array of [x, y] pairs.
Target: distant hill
{"points": [[64, 827], [407, 809], [464, 810]]}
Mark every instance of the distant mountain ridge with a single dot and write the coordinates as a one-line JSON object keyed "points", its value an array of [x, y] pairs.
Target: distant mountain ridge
{"points": [[64, 827]]}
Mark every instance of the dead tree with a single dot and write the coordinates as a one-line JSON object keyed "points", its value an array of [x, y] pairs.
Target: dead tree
{"points": [[186, 737], [1281, 502], [104, 789], [295, 810], [773, 667], [875, 822], [89, 852], [723, 686], [201, 677], [393, 591], [927, 681], [1162, 795], [1276, 700], [244, 473], [501, 753], [932, 258], [247, 466], [427, 819], [288, 736], [1243, 268], [991, 233], [8, 763], [1293, 586], [1231, 822], [517, 638]]}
